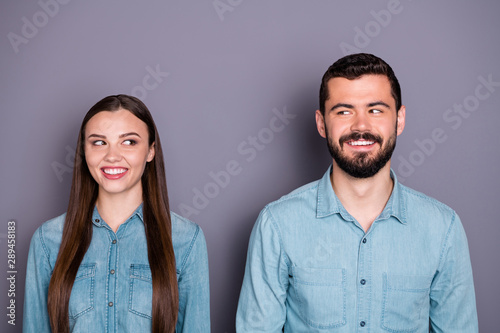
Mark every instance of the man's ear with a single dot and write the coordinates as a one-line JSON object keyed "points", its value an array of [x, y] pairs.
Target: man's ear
{"points": [[401, 120], [320, 123]]}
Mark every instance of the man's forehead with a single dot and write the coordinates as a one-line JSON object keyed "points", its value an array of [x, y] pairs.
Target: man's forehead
{"points": [[364, 89]]}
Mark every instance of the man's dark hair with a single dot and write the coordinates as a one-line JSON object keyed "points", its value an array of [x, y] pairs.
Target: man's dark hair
{"points": [[354, 66]]}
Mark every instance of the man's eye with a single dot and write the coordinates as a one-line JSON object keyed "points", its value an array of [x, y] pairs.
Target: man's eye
{"points": [[343, 112], [129, 142], [376, 111]]}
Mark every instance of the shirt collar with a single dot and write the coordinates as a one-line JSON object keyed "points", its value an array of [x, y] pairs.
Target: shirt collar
{"points": [[97, 220], [396, 205], [328, 203]]}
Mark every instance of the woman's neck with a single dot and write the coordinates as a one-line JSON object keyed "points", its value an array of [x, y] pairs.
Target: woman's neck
{"points": [[116, 208]]}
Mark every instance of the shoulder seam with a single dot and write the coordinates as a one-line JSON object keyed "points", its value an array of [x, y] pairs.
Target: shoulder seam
{"points": [[292, 195], [445, 242], [44, 247], [191, 245], [275, 226], [426, 197]]}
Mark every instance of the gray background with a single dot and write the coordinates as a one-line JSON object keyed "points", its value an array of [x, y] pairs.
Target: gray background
{"points": [[229, 64]]}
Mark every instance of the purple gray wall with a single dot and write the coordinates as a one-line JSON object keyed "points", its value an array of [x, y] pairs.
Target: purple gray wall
{"points": [[233, 85]]}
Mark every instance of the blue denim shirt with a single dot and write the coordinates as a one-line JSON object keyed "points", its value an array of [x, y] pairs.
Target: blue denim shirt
{"points": [[113, 289], [312, 268]]}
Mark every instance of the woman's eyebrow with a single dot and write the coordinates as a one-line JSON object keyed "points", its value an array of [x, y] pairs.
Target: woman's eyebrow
{"points": [[100, 136], [97, 136], [129, 134]]}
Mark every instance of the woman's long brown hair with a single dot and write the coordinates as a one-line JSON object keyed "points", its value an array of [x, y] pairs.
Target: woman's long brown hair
{"points": [[77, 232]]}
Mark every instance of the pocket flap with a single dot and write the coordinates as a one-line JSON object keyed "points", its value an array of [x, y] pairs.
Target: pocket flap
{"points": [[318, 276], [142, 272], [417, 283], [84, 271]]}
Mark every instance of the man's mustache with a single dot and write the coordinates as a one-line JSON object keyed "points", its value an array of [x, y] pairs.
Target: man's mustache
{"points": [[355, 136]]}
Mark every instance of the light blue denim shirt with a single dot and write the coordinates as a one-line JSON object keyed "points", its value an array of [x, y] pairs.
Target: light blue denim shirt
{"points": [[113, 289], [312, 268]]}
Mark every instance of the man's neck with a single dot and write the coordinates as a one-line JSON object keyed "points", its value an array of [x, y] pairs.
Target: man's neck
{"points": [[363, 198]]}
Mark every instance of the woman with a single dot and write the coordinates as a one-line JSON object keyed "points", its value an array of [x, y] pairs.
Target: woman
{"points": [[118, 260]]}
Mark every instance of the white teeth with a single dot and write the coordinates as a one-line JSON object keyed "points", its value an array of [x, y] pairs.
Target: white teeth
{"points": [[114, 171], [361, 143]]}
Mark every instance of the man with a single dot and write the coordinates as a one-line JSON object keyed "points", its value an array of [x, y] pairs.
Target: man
{"points": [[357, 251]]}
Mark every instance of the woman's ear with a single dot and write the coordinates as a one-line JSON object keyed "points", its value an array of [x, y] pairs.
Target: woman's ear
{"points": [[151, 153]]}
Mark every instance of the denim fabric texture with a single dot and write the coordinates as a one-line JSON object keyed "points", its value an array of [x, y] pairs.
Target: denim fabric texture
{"points": [[113, 287], [311, 267]]}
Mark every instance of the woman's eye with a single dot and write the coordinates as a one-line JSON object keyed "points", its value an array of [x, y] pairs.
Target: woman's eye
{"points": [[98, 143], [129, 142]]}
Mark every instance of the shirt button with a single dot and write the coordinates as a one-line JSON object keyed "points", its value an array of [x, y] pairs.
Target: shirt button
{"points": [[363, 281], [112, 271], [114, 241], [364, 240], [362, 324], [97, 220], [110, 303]]}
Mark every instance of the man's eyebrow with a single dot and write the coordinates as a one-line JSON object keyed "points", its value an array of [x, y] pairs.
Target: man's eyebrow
{"points": [[378, 103], [342, 105]]}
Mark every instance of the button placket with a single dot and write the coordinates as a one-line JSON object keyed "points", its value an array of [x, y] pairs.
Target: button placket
{"points": [[364, 275], [111, 280]]}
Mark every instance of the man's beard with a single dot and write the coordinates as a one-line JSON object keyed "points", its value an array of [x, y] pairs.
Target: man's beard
{"points": [[361, 165]]}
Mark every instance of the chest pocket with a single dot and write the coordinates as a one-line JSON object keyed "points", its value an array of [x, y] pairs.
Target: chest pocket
{"points": [[141, 290], [81, 300], [405, 305], [321, 296]]}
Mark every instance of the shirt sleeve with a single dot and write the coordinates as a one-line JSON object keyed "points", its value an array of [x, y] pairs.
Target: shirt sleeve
{"points": [[452, 297], [194, 289], [38, 273], [261, 306]]}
